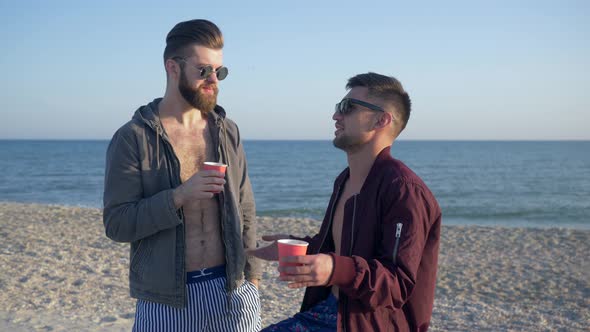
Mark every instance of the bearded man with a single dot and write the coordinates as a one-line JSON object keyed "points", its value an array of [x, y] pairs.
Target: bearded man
{"points": [[188, 228]]}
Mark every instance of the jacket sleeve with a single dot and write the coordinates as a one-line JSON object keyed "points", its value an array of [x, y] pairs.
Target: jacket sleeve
{"points": [[253, 268], [127, 215], [388, 279]]}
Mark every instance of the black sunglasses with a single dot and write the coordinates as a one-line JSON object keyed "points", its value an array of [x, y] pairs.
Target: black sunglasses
{"points": [[345, 106], [207, 70]]}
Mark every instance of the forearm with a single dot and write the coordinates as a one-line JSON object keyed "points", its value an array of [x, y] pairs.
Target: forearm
{"points": [[128, 222], [128, 215], [366, 280]]}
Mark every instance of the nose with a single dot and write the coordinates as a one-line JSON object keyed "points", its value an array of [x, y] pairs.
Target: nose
{"points": [[213, 78], [336, 116]]}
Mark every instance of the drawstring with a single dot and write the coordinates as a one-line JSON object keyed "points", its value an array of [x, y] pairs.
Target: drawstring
{"points": [[220, 123], [158, 144]]}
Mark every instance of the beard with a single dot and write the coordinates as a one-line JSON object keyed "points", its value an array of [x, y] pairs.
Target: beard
{"points": [[347, 143], [195, 97]]}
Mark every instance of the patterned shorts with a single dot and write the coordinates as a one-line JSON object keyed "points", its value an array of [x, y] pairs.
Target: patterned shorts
{"points": [[320, 318]]}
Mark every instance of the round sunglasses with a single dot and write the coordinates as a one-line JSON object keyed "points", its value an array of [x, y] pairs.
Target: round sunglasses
{"points": [[206, 71]]}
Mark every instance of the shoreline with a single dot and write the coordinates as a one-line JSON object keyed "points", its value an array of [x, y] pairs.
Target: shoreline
{"points": [[446, 222], [60, 273]]}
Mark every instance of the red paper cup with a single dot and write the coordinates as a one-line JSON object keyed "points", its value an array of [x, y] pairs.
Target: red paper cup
{"points": [[290, 247], [211, 166]]}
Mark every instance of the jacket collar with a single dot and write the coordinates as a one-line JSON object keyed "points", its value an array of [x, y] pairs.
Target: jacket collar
{"points": [[384, 155]]}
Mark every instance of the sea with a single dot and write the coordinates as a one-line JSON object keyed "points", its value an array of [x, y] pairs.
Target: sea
{"points": [[537, 184]]}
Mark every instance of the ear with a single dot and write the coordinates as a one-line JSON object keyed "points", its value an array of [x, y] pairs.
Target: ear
{"points": [[172, 69], [383, 120]]}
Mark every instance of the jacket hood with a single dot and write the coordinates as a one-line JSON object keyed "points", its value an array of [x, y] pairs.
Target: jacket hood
{"points": [[150, 115]]}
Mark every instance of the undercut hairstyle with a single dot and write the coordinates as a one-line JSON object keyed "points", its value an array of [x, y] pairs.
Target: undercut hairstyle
{"points": [[188, 33], [387, 88]]}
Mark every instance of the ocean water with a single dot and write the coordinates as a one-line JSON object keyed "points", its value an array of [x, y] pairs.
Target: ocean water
{"points": [[526, 184]]}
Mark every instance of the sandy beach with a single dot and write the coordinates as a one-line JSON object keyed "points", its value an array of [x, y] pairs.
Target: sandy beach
{"points": [[58, 272]]}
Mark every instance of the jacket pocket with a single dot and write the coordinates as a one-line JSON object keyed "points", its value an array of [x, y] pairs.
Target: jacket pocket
{"points": [[398, 234], [140, 257]]}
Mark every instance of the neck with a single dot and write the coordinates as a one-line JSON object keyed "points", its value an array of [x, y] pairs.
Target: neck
{"points": [[175, 108], [360, 162]]}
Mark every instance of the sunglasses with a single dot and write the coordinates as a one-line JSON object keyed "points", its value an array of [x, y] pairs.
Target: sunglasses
{"points": [[344, 107], [207, 70]]}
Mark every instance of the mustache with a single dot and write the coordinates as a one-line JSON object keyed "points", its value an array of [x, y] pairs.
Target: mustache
{"points": [[209, 86]]}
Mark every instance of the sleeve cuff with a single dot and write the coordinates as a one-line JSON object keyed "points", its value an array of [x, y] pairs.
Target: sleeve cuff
{"points": [[171, 207], [253, 269], [167, 216], [343, 272]]}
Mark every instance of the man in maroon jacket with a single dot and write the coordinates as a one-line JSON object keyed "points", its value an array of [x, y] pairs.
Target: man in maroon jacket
{"points": [[372, 267]]}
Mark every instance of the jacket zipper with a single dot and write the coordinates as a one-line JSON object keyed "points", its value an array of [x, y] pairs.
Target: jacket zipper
{"points": [[352, 229], [350, 254], [398, 234]]}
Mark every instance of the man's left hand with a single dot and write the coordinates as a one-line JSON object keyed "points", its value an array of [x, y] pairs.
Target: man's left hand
{"points": [[314, 271]]}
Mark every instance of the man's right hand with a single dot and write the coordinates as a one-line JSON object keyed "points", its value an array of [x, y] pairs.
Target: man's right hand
{"points": [[202, 185], [270, 252]]}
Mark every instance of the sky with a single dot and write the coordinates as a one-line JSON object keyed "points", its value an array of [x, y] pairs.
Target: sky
{"points": [[475, 70]]}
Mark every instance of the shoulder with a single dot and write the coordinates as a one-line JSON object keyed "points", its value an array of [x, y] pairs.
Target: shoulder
{"points": [[395, 171], [231, 126], [128, 131], [231, 132], [126, 139], [399, 181]]}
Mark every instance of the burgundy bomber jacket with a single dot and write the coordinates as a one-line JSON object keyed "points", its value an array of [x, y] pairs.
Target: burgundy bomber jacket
{"points": [[386, 272]]}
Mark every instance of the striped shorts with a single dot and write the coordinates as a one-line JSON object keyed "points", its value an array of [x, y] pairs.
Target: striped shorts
{"points": [[207, 308]]}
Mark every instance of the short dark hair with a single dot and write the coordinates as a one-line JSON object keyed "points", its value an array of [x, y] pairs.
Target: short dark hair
{"points": [[387, 88], [187, 33]]}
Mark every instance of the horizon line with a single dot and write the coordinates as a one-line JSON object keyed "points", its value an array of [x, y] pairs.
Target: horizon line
{"points": [[324, 140]]}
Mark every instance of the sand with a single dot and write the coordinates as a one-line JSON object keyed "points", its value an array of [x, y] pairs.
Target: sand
{"points": [[58, 272]]}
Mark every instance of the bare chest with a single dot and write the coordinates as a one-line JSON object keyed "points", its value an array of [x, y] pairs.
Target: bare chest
{"points": [[338, 220], [337, 223], [192, 148]]}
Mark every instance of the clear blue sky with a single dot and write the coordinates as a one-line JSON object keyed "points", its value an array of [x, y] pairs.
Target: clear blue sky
{"points": [[474, 69]]}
